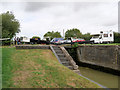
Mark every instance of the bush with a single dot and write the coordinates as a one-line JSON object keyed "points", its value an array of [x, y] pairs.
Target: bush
{"points": [[6, 42], [116, 37], [75, 45]]}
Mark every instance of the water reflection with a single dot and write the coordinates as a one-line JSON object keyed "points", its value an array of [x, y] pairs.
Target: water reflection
{"points": [[105, 79]]}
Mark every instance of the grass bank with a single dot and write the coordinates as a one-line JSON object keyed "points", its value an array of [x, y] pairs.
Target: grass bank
{"points": [[37, 68], [102, 44]]}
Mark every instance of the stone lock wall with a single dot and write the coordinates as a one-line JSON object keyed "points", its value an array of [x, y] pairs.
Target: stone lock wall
{"points": [[32, 47], [101, 55]]}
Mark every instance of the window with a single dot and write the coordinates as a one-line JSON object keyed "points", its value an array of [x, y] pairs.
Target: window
{"points": [[95, 36], [110, 35], [101, 31], [105, 35]]}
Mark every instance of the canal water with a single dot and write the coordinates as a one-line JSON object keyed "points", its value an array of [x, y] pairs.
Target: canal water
{"points": [[106, 79], [98, 74]]}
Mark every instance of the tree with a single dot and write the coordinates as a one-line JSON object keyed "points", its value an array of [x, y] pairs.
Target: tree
{"points": [[53, 35], [73, 33], [10, 25], [56, 35], [49, 34], [86, 36], [116, 37], [35, 37]]}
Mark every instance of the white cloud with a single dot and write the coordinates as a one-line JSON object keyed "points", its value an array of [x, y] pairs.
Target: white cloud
{"points": [[38, 18]]}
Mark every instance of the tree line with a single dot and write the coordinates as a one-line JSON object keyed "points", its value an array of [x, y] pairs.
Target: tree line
{"points": [[69, 33], [76, 33]]}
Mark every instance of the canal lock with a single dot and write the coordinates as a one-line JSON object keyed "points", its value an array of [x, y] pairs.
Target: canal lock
{"points": [[103, 76]]}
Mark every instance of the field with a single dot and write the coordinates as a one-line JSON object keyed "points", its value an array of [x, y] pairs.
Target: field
{"points": [[37, 68]]}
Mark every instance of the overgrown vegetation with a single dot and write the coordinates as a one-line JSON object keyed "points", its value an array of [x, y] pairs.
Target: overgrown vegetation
{"points": [[37, 68]]}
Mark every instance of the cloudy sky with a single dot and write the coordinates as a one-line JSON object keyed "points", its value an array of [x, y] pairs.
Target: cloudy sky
{"points": [[37, 18]]}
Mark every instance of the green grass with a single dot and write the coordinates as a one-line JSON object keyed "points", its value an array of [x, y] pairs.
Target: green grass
{"points": [[38, 69], [7, 66], [102, 44]]}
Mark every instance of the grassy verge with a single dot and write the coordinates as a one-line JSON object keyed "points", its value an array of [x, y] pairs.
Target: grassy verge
{"points": [[7, 66], [38, 69], [102, 44]]}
